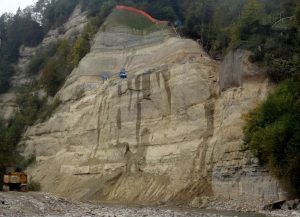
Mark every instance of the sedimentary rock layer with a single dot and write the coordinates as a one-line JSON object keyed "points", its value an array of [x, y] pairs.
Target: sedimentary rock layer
{"points": [[168, 133]]}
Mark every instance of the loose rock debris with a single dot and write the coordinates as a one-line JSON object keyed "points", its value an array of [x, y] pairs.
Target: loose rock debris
{"points": [[16, 204]]}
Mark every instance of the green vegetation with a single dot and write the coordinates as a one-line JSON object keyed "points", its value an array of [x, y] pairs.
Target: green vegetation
{"points": [[57, 68], [134, 21], [39, 60], [15, 30], [31, 107], [53, 13], [56, 61], [273, 133]]}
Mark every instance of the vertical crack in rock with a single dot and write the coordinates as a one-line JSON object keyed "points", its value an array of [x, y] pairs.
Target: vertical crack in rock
{"points": [[138, 110], [157, 74], [129, 86], [209, 115], [119, 90], [135, 161], [138, 120], [93, 154], [100, 114], [166, 77], [119, 118], [146, 84], [119, 115]]}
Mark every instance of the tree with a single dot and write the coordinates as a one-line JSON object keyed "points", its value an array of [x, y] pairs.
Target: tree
{"points": [[297, 14], [252, 11], [288, 7], [249, 23], [272, 133], [80, 48]]}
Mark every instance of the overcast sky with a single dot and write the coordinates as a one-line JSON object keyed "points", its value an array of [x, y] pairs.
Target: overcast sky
{"points": [[13, 5]]}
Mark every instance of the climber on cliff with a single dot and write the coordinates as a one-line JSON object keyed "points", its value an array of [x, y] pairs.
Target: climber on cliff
{"points": [[123, 73]]}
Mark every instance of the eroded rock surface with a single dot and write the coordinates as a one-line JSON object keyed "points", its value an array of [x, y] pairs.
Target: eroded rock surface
{"points": [[167, 134]]}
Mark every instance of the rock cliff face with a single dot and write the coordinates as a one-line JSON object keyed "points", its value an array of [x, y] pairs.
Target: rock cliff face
{"points": [[166, 134], [70, 30]]}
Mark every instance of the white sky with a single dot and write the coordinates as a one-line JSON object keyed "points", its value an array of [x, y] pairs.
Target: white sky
{"points": [[13, 5]]}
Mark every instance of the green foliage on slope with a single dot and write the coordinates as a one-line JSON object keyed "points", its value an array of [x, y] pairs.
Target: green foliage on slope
{"points": [[269, 28], [272, 130], [134, 21], [15, 30], [53, 13], [31, 107], [273, 133]]}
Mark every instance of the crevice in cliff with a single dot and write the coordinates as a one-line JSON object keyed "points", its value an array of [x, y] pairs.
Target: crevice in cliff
{"points": [[166, 76], [129, 86], [138, 111], [119, 119], [157, 74], [146, 84], [136, 160], [209, 115], [100, 113], [98, 131]]}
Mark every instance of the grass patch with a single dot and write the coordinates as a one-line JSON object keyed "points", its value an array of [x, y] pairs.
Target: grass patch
{"points": [[133, 21]]}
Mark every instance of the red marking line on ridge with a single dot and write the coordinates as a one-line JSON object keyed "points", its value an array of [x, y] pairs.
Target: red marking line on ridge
{"points": [[148, 16]]}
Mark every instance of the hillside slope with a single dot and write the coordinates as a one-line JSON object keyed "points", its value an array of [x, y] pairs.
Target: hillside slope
{"points": [[70, 30], [167, 134]]}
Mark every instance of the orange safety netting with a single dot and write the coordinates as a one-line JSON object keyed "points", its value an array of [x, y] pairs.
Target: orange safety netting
{"points": [[145, 14]]}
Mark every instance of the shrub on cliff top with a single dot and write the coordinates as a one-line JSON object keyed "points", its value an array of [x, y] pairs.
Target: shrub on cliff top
{"points": [[272, 134]]}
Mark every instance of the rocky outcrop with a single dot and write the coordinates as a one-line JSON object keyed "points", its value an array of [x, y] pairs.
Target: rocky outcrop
{"points": [[237, 69], [7, 105], [70, 30], [166, 134]]}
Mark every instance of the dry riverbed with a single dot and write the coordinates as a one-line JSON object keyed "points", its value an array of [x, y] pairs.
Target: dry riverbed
{"points": [[16, 204]]}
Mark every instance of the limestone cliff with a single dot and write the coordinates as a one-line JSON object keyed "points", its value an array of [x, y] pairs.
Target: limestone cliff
{"points": [[168, 133]]}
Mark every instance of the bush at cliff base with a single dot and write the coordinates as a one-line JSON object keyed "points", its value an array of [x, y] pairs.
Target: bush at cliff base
{"points": [[272, 134]]}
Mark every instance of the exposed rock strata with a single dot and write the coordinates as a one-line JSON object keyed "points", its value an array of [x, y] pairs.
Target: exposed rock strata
{"points": [[165, 134]]}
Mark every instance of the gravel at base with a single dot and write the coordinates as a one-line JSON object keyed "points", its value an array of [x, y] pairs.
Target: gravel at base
{"points": [[15, 204], [31, 204]]}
